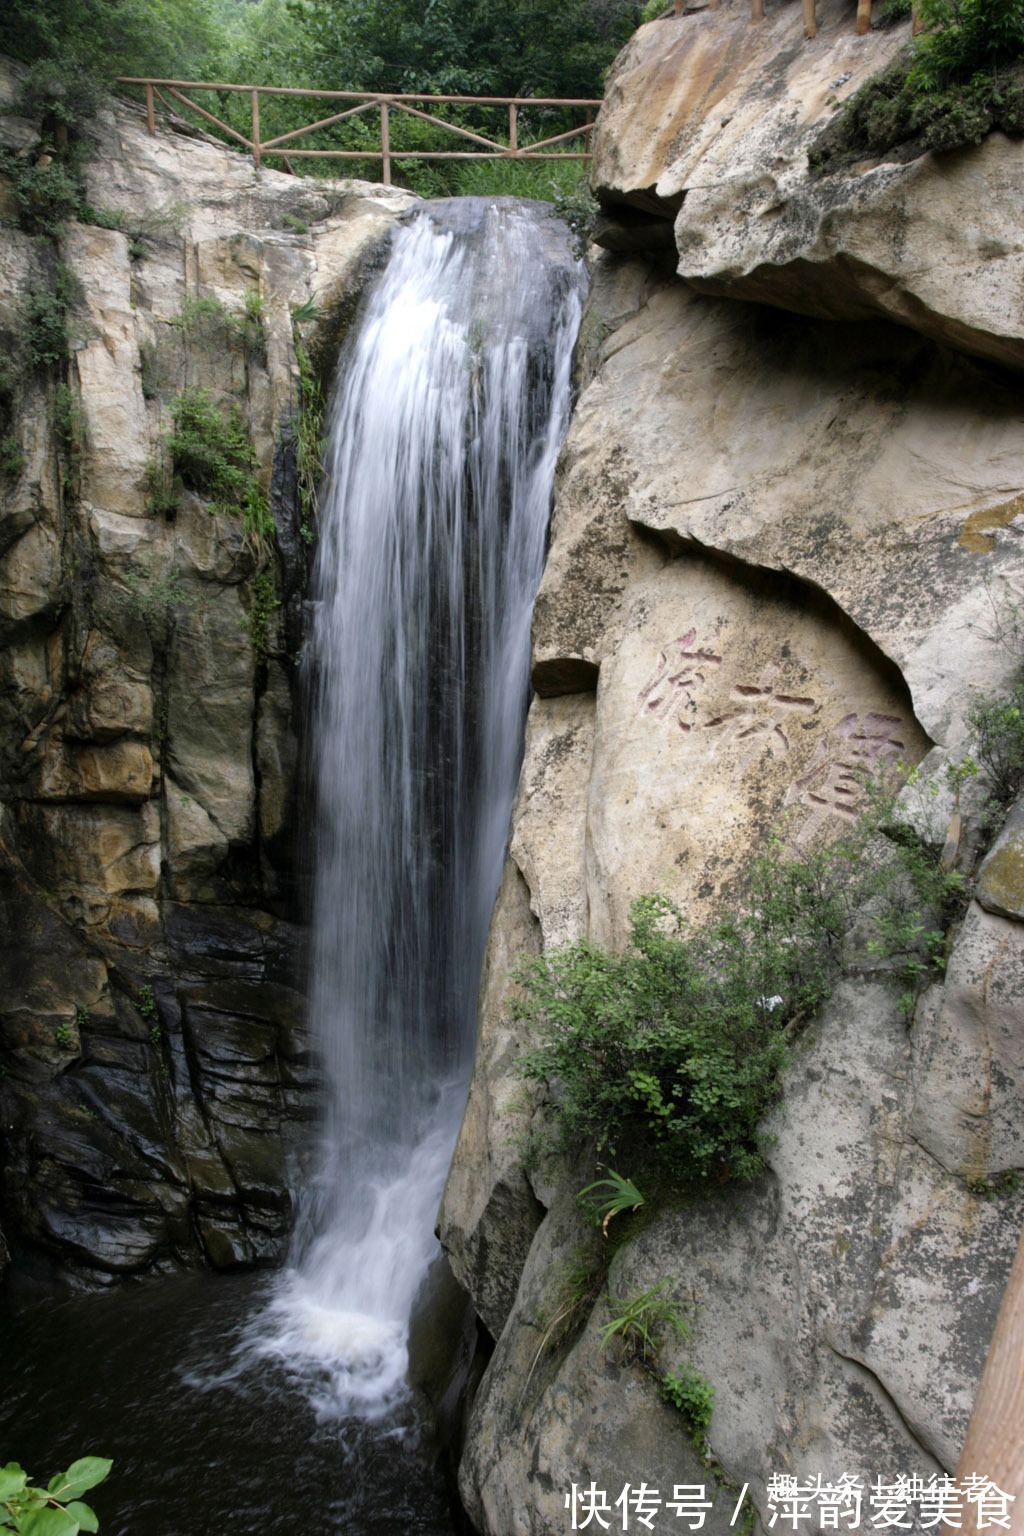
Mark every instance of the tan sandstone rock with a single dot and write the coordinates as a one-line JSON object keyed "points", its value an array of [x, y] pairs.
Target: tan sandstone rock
{"points": [[718, 114]]}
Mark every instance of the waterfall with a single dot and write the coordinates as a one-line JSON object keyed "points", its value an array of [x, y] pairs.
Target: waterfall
{"points": [[451, 403]]}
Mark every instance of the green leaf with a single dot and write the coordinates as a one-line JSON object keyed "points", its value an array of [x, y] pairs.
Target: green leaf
{"points": [[12, 1480], [80, 1476], [48, 1520], [84, 1515]]}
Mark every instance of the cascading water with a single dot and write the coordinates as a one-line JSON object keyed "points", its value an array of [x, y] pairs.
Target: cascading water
{"points": [[451, 404], [450, 409]]}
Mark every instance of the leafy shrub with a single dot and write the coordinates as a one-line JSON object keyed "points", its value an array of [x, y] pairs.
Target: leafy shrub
{"points": [[577, 206], [307, 433], [955, 83], [46, 318], [673, 1049], [997, 730], [257, 620], [963, 38], [45, 195], [12, 460], [693, 1395], [69, 425], [56, 1510], [618, 1194], [210, 449]]}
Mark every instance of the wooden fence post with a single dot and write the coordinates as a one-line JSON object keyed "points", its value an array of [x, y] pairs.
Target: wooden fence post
{"points": [[757, 10], [918, 18], [810, 19], [150, 115], [256, 128], [994, 1448], [513, 126], [863, 17], [385, 143]]}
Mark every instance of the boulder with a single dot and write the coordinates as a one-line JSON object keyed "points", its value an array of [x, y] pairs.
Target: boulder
{"points": [[709, 119]]}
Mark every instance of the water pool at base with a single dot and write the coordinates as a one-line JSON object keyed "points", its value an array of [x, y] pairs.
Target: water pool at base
{"points": [[205, 1439]]}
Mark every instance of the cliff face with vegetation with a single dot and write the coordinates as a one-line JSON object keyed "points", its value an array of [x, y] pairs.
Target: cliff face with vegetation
{"points": [[785, 550], [154, 542]]}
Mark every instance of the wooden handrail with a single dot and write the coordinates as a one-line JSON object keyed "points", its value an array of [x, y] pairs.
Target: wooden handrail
{"points": [[301, 90], [383, 101]]}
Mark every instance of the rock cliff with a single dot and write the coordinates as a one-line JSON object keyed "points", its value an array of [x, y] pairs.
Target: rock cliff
{"points": [[157, 1072], [785, 547]]}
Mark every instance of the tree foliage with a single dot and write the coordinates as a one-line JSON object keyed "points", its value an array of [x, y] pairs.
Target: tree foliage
{"points": [[110, 37], [490, 48]]}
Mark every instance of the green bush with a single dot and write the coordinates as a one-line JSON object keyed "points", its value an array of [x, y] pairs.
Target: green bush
{"points": [[959, 80], [264, 600], [671, 1051], [673, 1048], [693, 1395], [46, 318], [12, 460], [639, 1319], [211, 450], [45, 196], [997, 731], [963, 38]]}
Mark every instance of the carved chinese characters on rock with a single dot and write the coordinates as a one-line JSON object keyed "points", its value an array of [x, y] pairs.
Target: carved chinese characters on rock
{"points": [[683, 692], [753, 717], [680, 674], [858, 748]]}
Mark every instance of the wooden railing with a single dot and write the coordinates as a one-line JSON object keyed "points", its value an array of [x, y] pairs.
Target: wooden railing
{"points": [[384, 103], [757, 13]]}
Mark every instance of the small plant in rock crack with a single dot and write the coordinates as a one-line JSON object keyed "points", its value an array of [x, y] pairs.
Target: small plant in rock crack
{"points": [[578, 1283], [640, 1318], [617, 1195], [693, 1395], [210, 449], [147, 1002]]}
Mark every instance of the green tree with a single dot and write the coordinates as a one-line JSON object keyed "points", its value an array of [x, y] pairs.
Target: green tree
{"points": [[518, 48], [112, 37]]}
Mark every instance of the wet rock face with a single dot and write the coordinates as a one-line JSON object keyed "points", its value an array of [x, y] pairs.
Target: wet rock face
{"points": [[157, 1077]]}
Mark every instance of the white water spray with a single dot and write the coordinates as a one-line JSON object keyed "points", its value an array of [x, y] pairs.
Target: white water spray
{"points": [[451, 406]]}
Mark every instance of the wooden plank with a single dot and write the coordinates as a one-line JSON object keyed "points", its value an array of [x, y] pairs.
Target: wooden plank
{"points": [[256, 128], [557, 138], [438, 122], [863, 17], [810, 19], [325, 122], [385, 143], [150, 114], [994, 1448], [424, 154], [209, 117]]}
